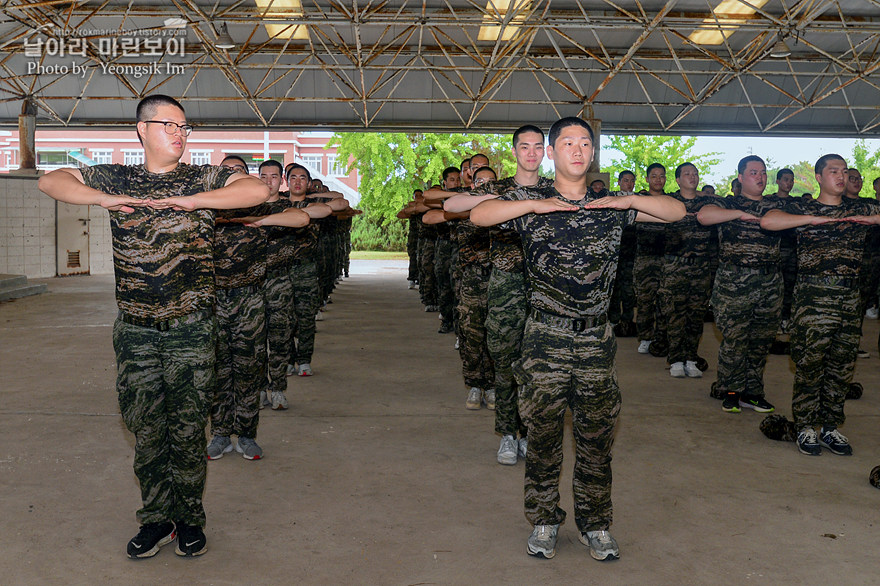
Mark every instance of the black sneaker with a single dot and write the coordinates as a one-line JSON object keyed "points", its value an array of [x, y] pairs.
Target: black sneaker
{"points": [[701, 363], [808, 442], [731, 403], [715, 393], [190, 540], [150, 538], [445, 328], [835, 441], [759, 404]]}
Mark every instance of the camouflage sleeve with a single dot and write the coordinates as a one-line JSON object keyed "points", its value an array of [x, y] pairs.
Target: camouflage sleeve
{"points": [[107, 178], [794, 207], [214, 176], [722, 202]]}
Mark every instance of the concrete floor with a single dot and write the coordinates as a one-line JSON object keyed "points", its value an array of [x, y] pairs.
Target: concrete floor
{"points": [[378, 475]]}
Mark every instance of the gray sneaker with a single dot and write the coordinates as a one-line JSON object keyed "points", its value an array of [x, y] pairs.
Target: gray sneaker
{"points": [[249, 448], [474, 398], [291, 370], [489, 399], [523, 448], [279, 401], [542, 541], [507, 451], [220, 444], [305, 369], [602, 545], [265, 401]]}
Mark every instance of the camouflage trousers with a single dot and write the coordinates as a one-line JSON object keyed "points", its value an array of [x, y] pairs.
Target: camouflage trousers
{"points": [[747, 306], [623, 294], [242, 362], [824, 343], [346, 254], [650, 321], [562, 369], [869, 281], [306, 301], [427, 280], [412, 250], [443, 275], [165, 380], [788, 266], [476, 364], [684, 290], [506, 318], [278, 295]]}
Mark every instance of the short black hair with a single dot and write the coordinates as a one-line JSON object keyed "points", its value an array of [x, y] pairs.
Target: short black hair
{"points": [[743, 163], [784, 171], [486, 168], [823, 162], [450, 170], [682, 166], [562, 123], [234, 158], [622, 173], [524, 129], [293, 166], [653, 166], [271, 163], [479, 155], [146, 108]]}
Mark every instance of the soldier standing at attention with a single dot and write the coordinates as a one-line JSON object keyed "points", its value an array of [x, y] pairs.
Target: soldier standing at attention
{"points": [[623, 297], [647, 272], [412, 239], [687, 275], [787, 247], [507, 295], [162, 223], [827, 312], [747, 294], [571, 240]]}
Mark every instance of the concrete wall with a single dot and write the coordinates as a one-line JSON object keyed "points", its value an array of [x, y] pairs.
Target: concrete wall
{"points": [[27, 231]]}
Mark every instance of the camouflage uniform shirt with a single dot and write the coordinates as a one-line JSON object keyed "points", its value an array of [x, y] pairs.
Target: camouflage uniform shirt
{"points": [[688, 238], [834, 249], [650, 237], [505, 246], [281, 248], [239, 250], [304, 240], [162, 259], [571, 257], [745, 243]]}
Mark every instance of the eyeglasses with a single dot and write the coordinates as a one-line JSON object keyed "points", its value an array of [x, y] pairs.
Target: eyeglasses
{"points": [[172, 127]]}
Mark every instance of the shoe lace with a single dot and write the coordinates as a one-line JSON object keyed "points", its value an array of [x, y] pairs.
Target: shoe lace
{"points": [[808, 436], [544, 531], [602, 537], [836, 436]]}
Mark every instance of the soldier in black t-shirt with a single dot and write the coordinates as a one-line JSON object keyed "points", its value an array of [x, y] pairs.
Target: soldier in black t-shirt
{"points": [[571, 241], [162, 223]]}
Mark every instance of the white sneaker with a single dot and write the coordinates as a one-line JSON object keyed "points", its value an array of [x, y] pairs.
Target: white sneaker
{"points": [[677, 370], [412, 284], [265, 401], [474, 398], [602, 545], [643, 346], [319, 316], [542, 541], [279, 401], [691, 370], [507, 451], [456, 343], [305, 369], [291, 369], [523, 448], [872, 313]]}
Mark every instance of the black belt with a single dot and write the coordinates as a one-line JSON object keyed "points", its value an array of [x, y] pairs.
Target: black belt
{"points": [[575, 324], [688, 260], [759, 269], [166, 324], [246, 290], [830, 281]]}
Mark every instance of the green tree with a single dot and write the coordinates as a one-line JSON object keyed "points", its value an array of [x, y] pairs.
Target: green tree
{"points": [[868, 164], [637, 152], [392, 164]]}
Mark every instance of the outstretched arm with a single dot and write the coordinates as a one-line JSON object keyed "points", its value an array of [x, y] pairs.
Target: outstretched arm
{"points": [[494, 211], [655, 208], [67, 185], [778, 220], [711, 215], [240, 191], [463, 202], [290, 218]]}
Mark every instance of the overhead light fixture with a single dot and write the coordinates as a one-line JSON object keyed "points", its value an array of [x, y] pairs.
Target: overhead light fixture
{"points": [[728, 16], [283, 9], [780, 50], [224, 41], [496, 10]]}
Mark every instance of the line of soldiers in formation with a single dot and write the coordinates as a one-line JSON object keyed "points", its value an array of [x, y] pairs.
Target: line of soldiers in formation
{"points": [[767, 265], [276, 266]]}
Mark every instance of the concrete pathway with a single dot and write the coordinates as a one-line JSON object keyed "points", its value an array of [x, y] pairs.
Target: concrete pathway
{"points": [[378, 475]]}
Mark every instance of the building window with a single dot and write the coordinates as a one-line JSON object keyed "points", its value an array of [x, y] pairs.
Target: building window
{"points": [[48, 159], [335, 167], [133, 157], [313, 162], [102, 156], [200, 157]]}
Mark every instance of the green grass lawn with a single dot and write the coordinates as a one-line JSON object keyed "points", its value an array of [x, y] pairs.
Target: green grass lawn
{"points": [[377, 255]]}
